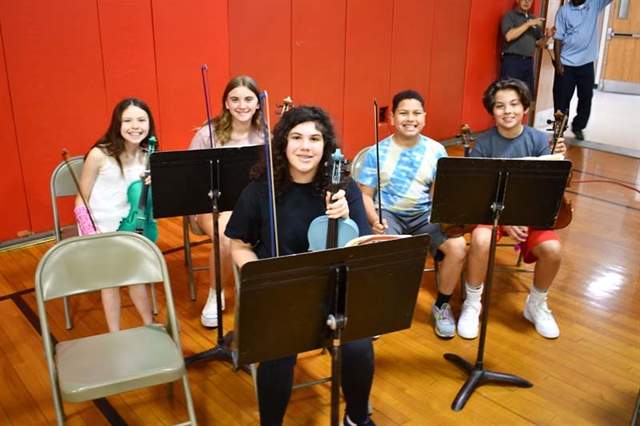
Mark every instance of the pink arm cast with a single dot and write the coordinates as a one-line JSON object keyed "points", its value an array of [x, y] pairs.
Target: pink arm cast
{"points": [[84, 221]]}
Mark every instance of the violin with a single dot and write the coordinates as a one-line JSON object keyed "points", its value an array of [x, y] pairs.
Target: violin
{"points": [[465, 138], [565, 213], [140, 217], [327, 233], [457, 230], [285, 106]]}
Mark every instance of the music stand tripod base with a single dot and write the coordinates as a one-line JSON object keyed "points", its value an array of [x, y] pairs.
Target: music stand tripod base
{"points": [[477, 375]]}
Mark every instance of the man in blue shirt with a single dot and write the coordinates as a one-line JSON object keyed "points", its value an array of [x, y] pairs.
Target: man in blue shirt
{"points": [[576, 48]]}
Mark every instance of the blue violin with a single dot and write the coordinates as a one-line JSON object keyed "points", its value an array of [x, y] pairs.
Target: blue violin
{"points": [[140, 217], [326, 233]]}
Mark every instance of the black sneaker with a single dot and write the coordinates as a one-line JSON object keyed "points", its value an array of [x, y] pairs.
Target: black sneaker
{"points": [[346, 422], [578, 134]]}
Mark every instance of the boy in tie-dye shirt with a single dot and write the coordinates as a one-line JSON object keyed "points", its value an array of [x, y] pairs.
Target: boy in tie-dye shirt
{"points": [[407, 172]]}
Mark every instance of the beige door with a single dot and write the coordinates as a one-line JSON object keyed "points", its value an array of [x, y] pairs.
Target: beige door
{"points": [[621, 68]]}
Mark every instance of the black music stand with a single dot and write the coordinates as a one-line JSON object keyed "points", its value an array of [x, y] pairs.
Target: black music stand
{"points": [[495, 192], [298, 303], [191, 182]]}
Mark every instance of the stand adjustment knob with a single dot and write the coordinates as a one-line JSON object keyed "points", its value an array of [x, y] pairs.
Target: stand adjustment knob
{"points": [[335, 323], [331, 322]]}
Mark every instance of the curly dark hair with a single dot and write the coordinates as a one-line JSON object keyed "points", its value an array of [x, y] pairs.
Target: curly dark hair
{"points": [[289, 120], [518, 86], [112, 141]]}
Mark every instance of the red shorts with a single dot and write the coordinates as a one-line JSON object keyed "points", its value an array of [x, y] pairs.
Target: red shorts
{"points": [[536, 236]]}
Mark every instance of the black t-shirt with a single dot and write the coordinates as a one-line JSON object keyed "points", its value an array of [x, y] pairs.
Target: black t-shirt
{"points": [[297, 207]]}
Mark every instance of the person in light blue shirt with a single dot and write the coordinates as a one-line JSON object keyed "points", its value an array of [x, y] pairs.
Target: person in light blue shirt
{"points": [[407, 172], [576, 49]]}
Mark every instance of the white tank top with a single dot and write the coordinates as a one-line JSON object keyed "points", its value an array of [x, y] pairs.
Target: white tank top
{"points": [[108, 199]]}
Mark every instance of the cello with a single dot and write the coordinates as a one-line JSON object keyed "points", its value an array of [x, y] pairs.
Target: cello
{"points": [[140, 218]]}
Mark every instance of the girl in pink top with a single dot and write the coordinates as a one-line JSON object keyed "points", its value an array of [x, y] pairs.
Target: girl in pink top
{"points": [[240, 123]]}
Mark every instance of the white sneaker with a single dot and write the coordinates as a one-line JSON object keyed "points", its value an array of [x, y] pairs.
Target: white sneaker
{"points": [[209, 317], [540, 315], [469, 319]]}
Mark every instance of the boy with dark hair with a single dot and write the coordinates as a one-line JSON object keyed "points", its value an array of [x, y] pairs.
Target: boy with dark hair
{"points": [[508, 101], [407, 172]]}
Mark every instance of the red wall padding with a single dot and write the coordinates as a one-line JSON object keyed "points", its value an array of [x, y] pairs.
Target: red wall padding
{"points": [[318, 56], [483, 59], [128, 59], [57, 88], [66, 64], [188, 35], [367, 69], [448, 60], [412, 51], [260, 46], [14, 214]]}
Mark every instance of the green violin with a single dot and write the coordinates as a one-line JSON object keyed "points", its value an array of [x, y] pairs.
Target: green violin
{"points": [[140, 217]]}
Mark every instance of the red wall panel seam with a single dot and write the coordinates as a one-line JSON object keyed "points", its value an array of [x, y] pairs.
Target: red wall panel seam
{"points": [[158, 123], [104, 71], [15, 131]]}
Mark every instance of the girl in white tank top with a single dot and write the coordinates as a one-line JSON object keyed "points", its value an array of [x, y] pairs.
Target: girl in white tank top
{"points": [[112, 164]]}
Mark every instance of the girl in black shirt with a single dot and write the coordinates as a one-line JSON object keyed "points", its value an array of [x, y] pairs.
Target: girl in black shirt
{"points": [[303, 142]]}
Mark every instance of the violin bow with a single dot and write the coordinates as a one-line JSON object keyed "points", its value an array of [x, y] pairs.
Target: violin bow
{"points": [[264, 105], [376, 115], [76, 181], [205, 77]]}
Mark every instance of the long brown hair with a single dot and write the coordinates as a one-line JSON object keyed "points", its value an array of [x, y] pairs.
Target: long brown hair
{"points": [[223, 124], [112, 141]]}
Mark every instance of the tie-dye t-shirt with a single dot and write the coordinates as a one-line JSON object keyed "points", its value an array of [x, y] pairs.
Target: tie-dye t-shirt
{"points": [[406, 174]]}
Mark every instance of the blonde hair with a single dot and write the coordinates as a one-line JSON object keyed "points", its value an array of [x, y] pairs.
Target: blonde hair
{"points": [[223, 123]]}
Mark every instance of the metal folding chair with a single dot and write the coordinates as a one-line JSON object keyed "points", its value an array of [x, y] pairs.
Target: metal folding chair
{"points": [[100, 365], [191, 227]]}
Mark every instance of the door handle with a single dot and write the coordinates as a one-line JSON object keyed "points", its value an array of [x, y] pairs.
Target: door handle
{"points": [[611, 34], [634, 35]]}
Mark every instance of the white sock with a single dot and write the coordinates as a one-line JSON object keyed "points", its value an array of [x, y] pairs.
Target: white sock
{"points": [[536, 293], [349, 422], [474, 294]]}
